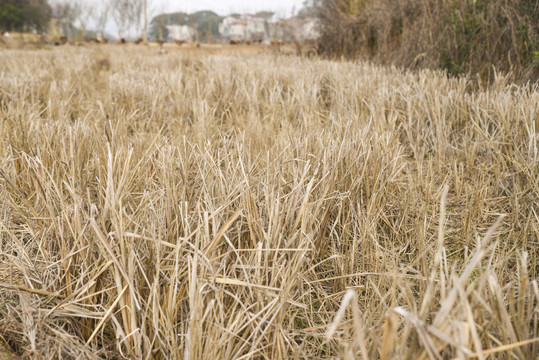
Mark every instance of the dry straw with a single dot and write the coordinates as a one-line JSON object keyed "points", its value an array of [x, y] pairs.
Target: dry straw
{"points": [[262, 206]]}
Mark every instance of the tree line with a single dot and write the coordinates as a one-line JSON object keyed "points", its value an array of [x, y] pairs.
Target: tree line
{"points": [[24, 15]]}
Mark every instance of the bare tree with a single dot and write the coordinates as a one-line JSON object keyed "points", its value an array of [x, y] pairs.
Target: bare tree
{"points": [[145, 30], [130, 14], [69, 12], [138, 15], [101, 16], [122, 14], [86, 10], [158, 22]]}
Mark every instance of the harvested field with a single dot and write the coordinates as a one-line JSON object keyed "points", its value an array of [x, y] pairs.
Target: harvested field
{"points": [[260, 206]]}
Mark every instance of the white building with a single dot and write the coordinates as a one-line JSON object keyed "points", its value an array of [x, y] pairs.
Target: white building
{"points": [[180, 33], [311, 29], [243, 28]]}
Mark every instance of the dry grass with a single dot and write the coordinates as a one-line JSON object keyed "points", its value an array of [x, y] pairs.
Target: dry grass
{"points": [[263, 206]]}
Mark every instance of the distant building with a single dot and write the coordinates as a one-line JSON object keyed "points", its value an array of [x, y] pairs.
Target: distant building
{"points": [[180, 33], [243, 28], [310, 29], [239, 28]]}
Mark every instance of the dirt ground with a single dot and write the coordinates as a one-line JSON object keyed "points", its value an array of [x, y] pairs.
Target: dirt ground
{"points": [[32, 41]]}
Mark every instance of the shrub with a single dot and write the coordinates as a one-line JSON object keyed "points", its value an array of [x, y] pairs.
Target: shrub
{"points": [[458, 36]]}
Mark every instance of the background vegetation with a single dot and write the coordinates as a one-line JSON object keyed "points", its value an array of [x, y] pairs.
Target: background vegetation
{"points": [[243, 206], [205, 22], [458, 36], [24, 15]]}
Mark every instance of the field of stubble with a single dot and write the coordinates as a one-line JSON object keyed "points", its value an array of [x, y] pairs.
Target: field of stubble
{"points": [[260, 206]]}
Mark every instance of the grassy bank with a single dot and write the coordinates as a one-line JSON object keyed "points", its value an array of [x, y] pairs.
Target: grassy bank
{"points": [[263, 206]]}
